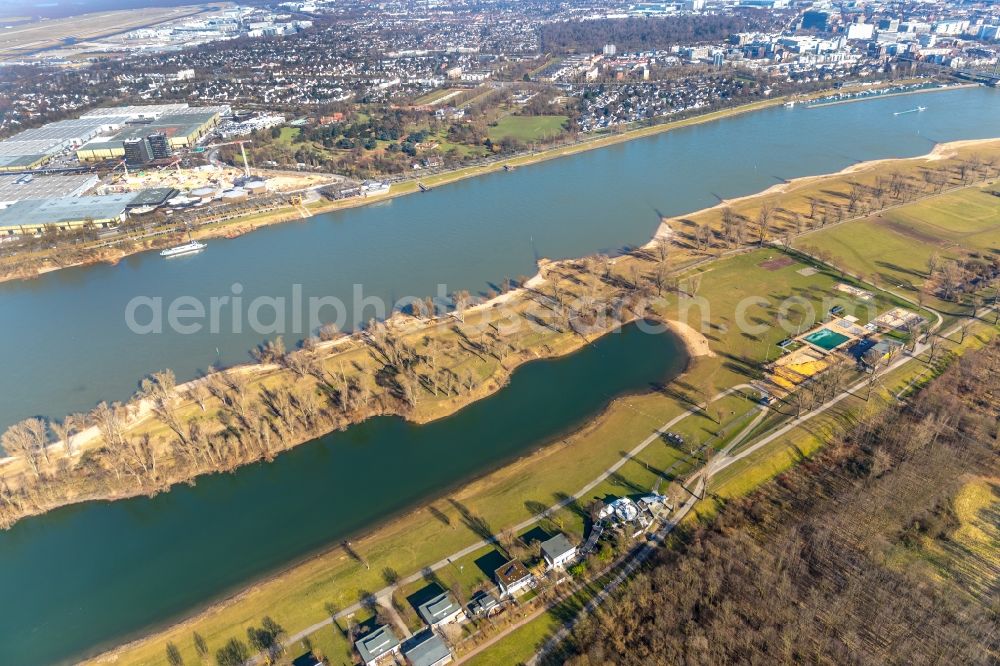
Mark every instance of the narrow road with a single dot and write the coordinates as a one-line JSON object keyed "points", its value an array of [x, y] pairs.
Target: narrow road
{"points": [[713, 467]]}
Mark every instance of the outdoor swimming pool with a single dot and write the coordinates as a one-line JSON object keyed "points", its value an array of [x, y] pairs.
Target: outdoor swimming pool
{"points": [[826, 339]]}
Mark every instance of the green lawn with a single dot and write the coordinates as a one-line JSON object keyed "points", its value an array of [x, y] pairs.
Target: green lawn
{"points": [[751, 309], [288, 135], [519, 645], [896, 245], [527, 128]]}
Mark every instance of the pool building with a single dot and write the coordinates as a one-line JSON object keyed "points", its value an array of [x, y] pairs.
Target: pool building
{"points": [[826, 339]]}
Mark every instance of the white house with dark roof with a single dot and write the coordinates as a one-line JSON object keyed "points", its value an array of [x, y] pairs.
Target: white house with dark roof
{"points": [[442, 609], [558, 551], [376, 645], [513, 577]]}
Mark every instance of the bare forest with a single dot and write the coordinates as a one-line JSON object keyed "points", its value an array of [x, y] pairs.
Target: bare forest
{"points": [[851, 557]]}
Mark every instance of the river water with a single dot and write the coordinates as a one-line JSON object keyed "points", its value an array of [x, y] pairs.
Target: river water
{"points": [[89, 575], [64, 336]]}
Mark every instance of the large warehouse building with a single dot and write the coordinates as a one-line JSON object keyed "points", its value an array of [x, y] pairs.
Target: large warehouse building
{"points": [[101, 133], [14, 188], [34, 147], [181, 127], [31, 216]]}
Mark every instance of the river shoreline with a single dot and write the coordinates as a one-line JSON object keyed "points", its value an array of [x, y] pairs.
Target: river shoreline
{"points": [[402, 516], [820, 105], [941, 151], [141, 410], [248, 224], [938, 153], [695, 343]]}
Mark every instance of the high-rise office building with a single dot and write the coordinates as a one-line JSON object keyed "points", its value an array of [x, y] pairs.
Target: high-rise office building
{"points": [[137, 152], [159, 146]]}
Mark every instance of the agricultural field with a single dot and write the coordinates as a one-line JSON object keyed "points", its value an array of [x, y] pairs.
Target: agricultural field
{"points": [[527, 128]]}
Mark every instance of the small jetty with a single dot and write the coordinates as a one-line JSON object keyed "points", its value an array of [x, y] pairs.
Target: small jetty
{"points": [[507, 167], [423, 188]]}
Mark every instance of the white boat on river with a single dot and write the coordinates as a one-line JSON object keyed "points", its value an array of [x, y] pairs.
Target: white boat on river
{"points": [[181, 250]]}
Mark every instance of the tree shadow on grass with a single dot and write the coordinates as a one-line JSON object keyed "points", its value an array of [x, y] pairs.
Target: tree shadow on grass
{"points": [[426, 593], [570, 502], [490, 562], [477, 524]]}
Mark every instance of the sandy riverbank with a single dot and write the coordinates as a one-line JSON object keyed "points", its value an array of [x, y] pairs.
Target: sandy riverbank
{"points": [[694, 341], [940, 152]]}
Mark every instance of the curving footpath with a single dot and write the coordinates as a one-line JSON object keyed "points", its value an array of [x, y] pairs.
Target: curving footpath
{"points": [[388, 590]]}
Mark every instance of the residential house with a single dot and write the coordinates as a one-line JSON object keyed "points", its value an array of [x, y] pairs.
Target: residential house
{"points": [[376, 645], [442, 609], [557, 551], [428, 649], [513, 577]]}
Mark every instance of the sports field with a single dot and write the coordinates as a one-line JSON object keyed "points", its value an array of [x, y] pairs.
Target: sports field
{"points": [[527, 128]]}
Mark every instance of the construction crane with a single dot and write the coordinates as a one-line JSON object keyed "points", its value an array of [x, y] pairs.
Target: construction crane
{"points": [[241, 144]]}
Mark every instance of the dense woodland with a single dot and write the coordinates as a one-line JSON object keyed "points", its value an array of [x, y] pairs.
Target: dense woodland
{"points": [[640, 34], [851, 557]]}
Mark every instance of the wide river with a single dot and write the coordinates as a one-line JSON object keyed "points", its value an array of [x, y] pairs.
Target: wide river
{"points": [[64, 336], [86, 576]]}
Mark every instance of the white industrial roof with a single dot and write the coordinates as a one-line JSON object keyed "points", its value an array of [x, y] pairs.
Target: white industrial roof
{"points": [[16, 188]]}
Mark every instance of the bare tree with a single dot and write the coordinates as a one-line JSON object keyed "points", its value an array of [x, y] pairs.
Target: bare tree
{"points": [[461, 300], [854, 196], [765, 219], [662, 249], [933, 262], [26, 440], [160, 389], [65, 430]]}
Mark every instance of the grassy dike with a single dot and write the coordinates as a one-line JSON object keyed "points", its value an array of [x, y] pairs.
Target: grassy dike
{"points": [[303, 595]]}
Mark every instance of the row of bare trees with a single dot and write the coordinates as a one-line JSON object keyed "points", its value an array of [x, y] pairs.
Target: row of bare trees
{"points": [[234, 416], [861, 199]]}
